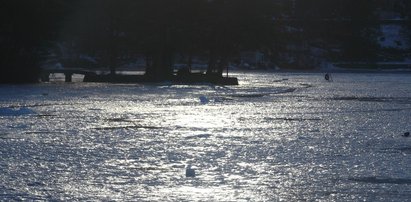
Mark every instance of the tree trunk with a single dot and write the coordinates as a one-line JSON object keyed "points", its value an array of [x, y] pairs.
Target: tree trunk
{"points": [[190, 61], [211, 63]]}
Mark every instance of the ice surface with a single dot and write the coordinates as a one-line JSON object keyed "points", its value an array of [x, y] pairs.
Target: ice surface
{"points": [[275, 137], [16, 112]]}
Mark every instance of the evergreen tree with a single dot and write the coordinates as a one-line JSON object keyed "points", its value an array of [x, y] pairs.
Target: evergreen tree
{"points": [[359, 31], [25, 28], [236, 25], [350, 25]]}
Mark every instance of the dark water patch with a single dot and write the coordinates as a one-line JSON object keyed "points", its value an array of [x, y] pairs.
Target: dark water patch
{"points": [[279, 80], [406, 150], [362, 99], [230, 137], [399, 100], [46, 115], [126, 127], [381, 180], [36, 184], [4, 136], [223, 99], [44, 105], [291, 119], [393, 110], [377, 110], [250, 95], [11, 136], [11, 194], [151, 168], [260, 95], [306, 85], [288, 90], [95, 109], [351, 111], [198, 136], [22, 111], [119, 120], [44, 132]]}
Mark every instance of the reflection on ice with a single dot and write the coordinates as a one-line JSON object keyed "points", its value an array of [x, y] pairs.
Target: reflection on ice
{"points": [[275, 137]]}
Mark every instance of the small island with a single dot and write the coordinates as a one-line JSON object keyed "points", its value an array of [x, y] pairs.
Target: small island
{"points": [[178, 78]]}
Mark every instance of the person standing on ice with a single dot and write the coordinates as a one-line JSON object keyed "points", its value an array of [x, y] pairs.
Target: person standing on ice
{"points": [[328, 77]]}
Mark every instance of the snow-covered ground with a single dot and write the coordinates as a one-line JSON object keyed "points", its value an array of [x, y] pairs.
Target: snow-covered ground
{"points": [[284, 136]]}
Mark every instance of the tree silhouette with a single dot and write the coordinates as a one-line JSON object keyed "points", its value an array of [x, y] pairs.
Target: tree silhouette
{"points": [[115, 31], [25, 29]]}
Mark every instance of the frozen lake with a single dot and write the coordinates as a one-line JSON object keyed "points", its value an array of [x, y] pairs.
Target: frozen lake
{"points": [[275, 137]]}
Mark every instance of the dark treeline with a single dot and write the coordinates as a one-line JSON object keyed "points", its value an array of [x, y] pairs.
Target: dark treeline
{"points": [[342, 30], [118, 31], [25, 27], [159, 29]]}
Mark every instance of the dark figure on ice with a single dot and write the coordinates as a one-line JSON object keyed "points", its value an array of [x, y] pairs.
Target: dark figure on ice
{"points": [[407, 134], [190, 172], [328, 77]]}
